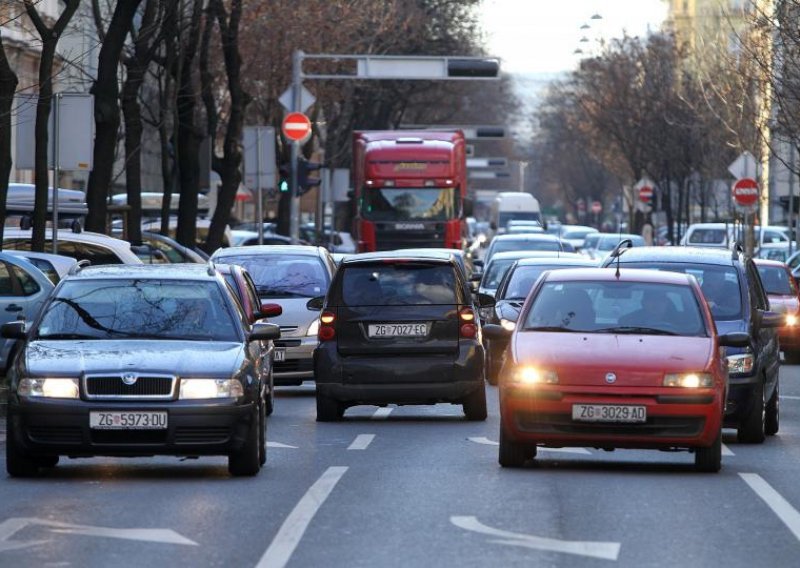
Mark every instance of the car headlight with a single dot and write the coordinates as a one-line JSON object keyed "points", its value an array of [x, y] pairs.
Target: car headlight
{"points": [[741, 363], [689, 380], [508, 324], [193, 389], [526, 375], [49, 388], [791, 320], [313, 329]]}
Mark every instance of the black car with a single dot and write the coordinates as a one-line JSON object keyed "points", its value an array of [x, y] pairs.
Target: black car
{"points": [[515, 286], [398, 328], [137, 361], [732, 287]]}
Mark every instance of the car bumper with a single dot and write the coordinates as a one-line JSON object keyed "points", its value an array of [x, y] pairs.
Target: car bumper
{"points": [[789, 337], [298, 366], [61, 427], [740, 399], [543, 415]]}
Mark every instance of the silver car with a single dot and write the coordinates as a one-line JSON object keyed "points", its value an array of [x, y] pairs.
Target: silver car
{"points": [[288, 275]]}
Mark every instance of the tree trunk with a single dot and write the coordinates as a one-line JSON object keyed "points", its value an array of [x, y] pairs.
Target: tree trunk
{"points": [[42, 137], [106, 113], [8, 85]]}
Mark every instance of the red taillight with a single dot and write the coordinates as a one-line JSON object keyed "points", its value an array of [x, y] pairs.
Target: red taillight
{"points": [[326, 330], [468, 329]]}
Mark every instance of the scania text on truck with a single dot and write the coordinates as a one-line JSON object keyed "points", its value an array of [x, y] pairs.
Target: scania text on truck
{"points": [[410, 189]]}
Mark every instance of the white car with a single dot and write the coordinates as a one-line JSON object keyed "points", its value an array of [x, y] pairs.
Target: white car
{"points": [[54, 266], [94, 247]]}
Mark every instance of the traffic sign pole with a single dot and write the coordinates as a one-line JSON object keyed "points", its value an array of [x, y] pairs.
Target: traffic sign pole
{"points": [[294, 215]]}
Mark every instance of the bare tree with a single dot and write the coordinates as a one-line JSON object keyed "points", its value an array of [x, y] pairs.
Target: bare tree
{"points": [[8, 85]]}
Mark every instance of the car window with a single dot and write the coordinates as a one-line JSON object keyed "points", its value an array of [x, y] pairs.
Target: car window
{"points": [[521, 281], [776, 281], [398, 284], [46, 267], [26, 282], [137, 308], [708, 236], [6, 283], [512, 245], [773, 236], [172, 254], [495, 272], [616, 307], [283, 275], [96, 254], [758, 296]]}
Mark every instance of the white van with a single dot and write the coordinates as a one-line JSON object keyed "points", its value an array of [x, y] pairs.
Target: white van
{"points": [[513, 205], [721, 235]]}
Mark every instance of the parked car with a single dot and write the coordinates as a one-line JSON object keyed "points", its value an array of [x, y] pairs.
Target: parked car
{"points": [[54, 266], [94, 247], [723, 235], [509, 297], [598, 245], [290, 276], [628, 360], [398, 328], [733, 289], [784, 298], [530, 241], [172, 249], [139, 360]]}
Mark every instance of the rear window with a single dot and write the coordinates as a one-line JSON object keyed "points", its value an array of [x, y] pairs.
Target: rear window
{"points": [[776, 281], [708, 236], [398, 284], [511, 245], [495, 272], [283, 275]]}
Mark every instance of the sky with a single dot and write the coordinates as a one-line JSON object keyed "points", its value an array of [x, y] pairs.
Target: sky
{"points": [[540, 36]]}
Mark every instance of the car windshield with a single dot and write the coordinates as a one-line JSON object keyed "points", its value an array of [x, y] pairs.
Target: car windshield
{"points": [[393, 284], [776, 281], [720, 285], [495, 272], [138, 309], [640, 308], [525, 244], [409, 204], [284, 275], [521, 281]]}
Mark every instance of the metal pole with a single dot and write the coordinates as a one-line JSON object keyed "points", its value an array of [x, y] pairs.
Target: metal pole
{"points": [[294, 214], [56, 171], [792, 214], [259, 194], [322, 191]]}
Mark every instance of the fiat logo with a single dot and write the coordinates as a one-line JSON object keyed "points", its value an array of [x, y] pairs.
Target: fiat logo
{"points": [[129, 379], [611, 378]]}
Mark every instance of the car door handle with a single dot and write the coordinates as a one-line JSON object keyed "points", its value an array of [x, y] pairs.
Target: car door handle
{"points": [[14, 308]]}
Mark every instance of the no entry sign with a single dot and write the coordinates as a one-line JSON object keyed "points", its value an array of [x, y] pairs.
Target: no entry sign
{"points": [[646, 194], [745, 192], [296, 127]]}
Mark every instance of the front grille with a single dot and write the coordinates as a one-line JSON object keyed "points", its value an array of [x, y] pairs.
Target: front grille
{"points": [[55, 434], [656, 427], [198, 435], [129, 436], [388, 238], [293, 366], [144, 387]]}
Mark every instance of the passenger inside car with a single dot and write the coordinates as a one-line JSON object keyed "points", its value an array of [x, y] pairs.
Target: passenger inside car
{"points": [[654, 308]]}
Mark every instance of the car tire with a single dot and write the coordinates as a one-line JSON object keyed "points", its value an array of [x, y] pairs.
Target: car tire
{"points": [[709, 460], [773, 412], [328, 409], [752, 429], [46, 461], [475, 405], [513, 454], [18, 463], [246, 461]]}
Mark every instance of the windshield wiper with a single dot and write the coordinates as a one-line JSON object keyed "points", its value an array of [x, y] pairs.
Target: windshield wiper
{"points": [[634, 330], [272, 292], [68, 336], [553, 328]]}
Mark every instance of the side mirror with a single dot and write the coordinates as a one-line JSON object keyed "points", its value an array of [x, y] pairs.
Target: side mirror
{"points": [[264, 332], [315, 304], [497, 332], [13, 330], [734, 339], [771, 319], [270, 310], [486, 301]]}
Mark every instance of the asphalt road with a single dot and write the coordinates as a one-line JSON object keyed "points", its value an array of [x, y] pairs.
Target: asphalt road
{"points": [[415, 486]]}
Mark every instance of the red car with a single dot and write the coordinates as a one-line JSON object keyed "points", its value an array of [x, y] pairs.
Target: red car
{"points": [[606, 360], [784, 298]]}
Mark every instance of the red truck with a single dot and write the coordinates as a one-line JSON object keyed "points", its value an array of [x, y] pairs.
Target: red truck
{"points": [[410, 189]]}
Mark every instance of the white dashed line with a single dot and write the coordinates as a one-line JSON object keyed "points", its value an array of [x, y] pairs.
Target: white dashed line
{"points": [[487, 442], [788, 397], [361, 442], [382, 413], [774, 500], [726, 451], [285, 542], [280, 445]]}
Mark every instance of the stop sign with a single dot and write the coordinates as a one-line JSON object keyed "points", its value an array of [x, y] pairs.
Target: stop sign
{"points": [[745, 192], [645, 194], [597, 207], [296, 127]]}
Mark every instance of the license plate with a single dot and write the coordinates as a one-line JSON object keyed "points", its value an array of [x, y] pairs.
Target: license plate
{"points": [[398, 330], [609, 413], [280, 354], [132, 420]]}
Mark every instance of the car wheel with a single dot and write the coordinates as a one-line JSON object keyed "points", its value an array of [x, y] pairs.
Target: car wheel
{"points": [[514, 454], [246, 461], [475, 404], [328, 409], [262, 436], [709, 460], [18, 463], [773, 413], [270, 408], [752, 429], [46, 461]]}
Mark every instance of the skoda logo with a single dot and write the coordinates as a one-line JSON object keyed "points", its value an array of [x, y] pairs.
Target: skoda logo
{"points": [[611, 378], [129, 379]]}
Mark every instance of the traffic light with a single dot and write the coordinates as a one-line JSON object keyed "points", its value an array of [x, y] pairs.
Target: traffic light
{"points": [[285, 172], [305, 183]]}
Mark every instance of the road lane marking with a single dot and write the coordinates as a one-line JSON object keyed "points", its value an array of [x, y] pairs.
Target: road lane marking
{"points": [[285, 542], [279, 445], [582, 451], [780, 506], [604, 550], [726, 451], [361, 442], [382, 413], [789, 397]]}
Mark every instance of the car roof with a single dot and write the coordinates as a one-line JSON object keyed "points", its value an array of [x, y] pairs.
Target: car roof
{"points": [[697, 255], [520, 254], [433, 251], [629, 275], [527, 237], [180, 271], [398, 255], [68, 235], [577, 260], [258, 250]]}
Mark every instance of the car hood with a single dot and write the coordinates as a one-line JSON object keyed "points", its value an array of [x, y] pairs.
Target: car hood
{"points": [[636, 360], [72, 358], [296, 317]]}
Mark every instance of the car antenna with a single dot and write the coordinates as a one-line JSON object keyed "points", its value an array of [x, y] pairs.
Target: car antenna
{"points": [[618, 250]]}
